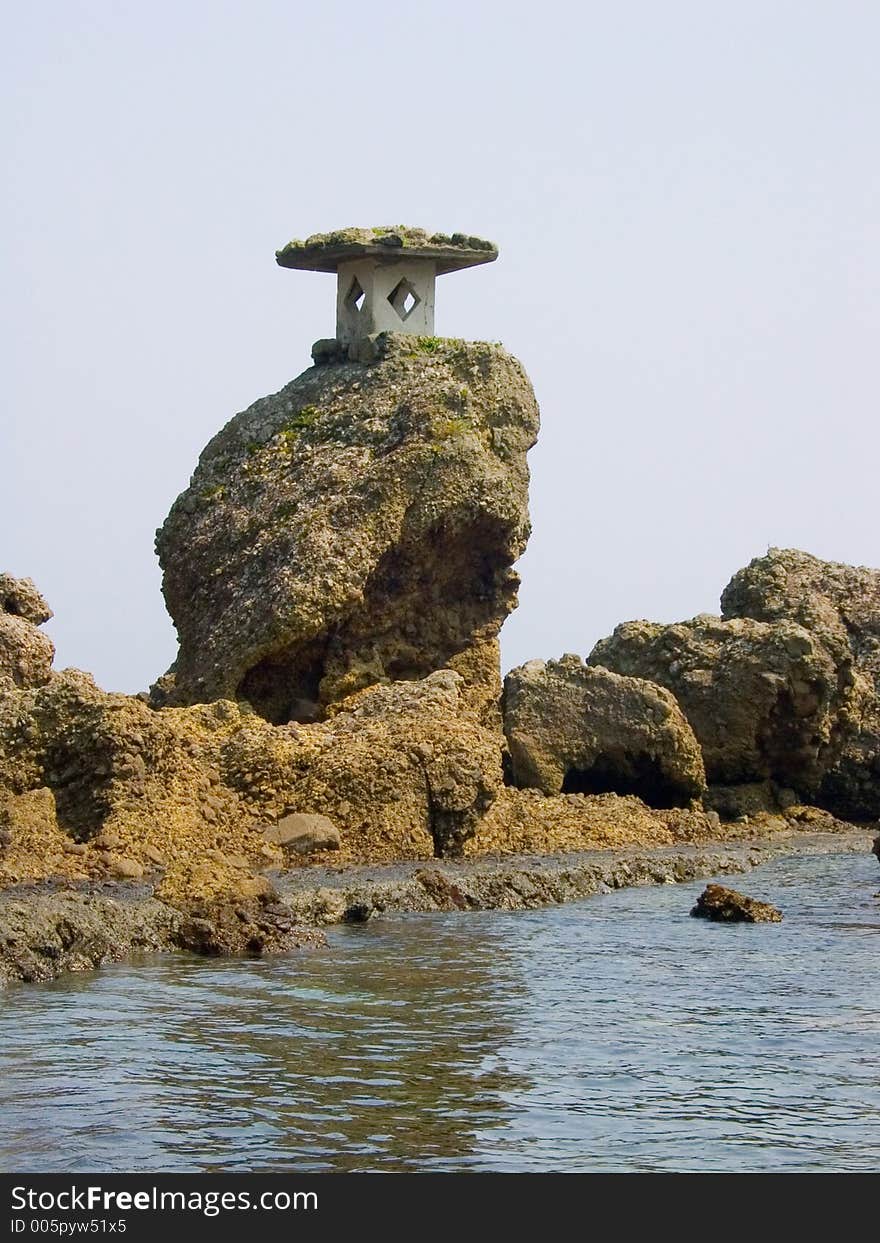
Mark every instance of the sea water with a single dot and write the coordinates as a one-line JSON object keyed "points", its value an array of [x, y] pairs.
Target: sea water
{"points": [[615, 1033]]}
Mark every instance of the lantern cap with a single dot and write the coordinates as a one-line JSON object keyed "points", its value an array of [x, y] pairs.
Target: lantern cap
{"points": [[323, 252]]}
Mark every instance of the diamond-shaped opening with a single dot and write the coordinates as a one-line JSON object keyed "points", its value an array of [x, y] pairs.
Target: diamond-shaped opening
{"points": [[404, 299], [354, 299]]}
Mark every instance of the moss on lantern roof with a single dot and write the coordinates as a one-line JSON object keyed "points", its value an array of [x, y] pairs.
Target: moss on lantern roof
{"points": [[323, 252]]}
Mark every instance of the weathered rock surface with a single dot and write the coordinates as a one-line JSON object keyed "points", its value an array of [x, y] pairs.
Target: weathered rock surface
{"points": [[303, 833], [575, 729], [46, 931], [19, 597], [360, 526], [840, 606], [749, 798], [528, 822], [97, 784], [29, 831], [26, 654], [768, 701], [731, 907], [322, 895], [322, 252], [416, 763], [254, 927]]}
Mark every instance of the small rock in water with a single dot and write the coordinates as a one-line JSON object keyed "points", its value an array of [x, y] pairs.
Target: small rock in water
{"points": [[729, 906]]}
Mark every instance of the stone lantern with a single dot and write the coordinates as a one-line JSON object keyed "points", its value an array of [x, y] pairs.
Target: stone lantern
{"points": [[385, 278]]}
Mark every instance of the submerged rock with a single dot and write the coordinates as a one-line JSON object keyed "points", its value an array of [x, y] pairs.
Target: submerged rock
{"points": [[575, 729], [731, 907], [358, 527], [840, 606]]}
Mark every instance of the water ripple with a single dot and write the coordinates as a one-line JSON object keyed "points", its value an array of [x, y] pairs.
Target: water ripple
{"points": [[613, 1034]]}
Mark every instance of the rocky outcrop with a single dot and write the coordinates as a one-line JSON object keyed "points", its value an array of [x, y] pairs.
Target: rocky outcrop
{"points": [[252, 926], [98, 785], [749, 798], [19, 597], [26, 653], [45, 931], [29, 831], [528, 822], [840, 606], [728, 906], [415, 762], [575, 729], [358, 527], [768, 701]]}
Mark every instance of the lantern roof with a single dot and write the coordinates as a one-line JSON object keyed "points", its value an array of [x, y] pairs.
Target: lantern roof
{"points": [[324, 252]]}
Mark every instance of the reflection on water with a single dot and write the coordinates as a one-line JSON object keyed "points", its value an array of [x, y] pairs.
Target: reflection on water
{"points": [[614, 1033]]}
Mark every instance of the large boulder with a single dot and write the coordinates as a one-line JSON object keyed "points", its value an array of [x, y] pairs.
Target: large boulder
{"points": [[768, 701], [26, 653], [358, 527], [840, 606], [575, 729]]}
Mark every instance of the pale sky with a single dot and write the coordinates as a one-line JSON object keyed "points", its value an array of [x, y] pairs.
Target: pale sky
{"points": [[687, 200]]}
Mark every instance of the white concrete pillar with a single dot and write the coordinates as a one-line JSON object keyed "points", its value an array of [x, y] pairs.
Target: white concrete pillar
{"points": [[375, 295]]}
